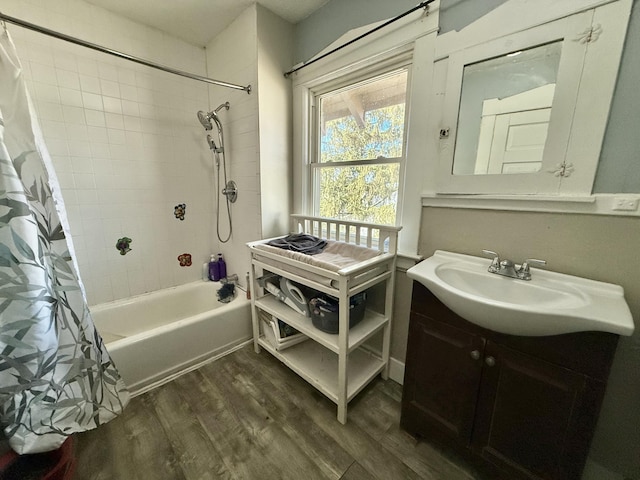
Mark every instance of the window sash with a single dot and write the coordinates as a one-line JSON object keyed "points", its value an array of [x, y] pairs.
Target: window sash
{"points": [[355, 163], [314, 165], [352, 84]]}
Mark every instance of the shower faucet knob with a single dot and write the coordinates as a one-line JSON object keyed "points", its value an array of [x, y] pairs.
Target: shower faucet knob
{"points": [[231, 191]]}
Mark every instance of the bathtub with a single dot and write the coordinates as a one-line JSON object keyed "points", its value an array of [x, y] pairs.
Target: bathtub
{"points": [[155, 337]]}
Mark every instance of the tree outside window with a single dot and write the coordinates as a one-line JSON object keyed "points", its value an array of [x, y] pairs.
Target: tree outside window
{"points": [[361, 147]]}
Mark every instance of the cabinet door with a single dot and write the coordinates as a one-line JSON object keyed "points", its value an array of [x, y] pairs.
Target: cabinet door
{"points": [[528, 416], [443, 370]]}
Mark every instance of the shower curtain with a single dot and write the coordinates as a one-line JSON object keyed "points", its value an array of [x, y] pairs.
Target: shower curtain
{"points": [[56, 377]]}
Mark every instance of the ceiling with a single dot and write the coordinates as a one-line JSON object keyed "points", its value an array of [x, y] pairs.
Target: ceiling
{"points": [[198, 21]]}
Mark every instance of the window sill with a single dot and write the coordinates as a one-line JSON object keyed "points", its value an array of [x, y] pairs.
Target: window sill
{"points": [[599, 204]]}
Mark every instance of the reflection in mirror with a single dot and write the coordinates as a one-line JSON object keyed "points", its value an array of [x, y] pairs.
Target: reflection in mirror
{"points": [[505, 107]]}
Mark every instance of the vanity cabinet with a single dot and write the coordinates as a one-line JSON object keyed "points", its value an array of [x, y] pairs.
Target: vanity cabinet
{"points": [[525, 407]]}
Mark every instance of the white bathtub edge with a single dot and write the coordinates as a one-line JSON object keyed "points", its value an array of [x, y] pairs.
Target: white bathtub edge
{"points": [[165, 377]]}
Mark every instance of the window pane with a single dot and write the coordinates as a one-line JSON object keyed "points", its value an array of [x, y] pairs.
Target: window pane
{"points": [[365, 121], [368, 193]]}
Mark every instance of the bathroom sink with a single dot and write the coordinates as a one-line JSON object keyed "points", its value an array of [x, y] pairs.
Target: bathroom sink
{"points": [[548, 304]]}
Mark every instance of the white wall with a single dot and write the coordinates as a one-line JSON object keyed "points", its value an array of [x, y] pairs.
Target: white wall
{"points": [[233, 56], [125, 142], [275, 54]]}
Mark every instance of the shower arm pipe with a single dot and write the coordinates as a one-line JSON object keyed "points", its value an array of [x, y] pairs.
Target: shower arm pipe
{"points": [[115, 53], [423, 5]]}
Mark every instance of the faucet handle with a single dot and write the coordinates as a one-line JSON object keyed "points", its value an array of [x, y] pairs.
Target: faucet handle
{"points": [[533, 260], [523, 271], [495, 264]]}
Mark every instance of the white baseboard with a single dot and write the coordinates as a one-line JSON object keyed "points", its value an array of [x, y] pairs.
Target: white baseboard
{"points": [[396, 370], [396, 367]]}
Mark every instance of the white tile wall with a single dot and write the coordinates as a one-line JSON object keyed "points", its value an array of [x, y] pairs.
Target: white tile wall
{"points": [[126, 144]]}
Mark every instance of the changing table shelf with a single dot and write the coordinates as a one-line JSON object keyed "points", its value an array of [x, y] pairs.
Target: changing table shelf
{"points": [[319, 366], [338, 365], [358, 334]]}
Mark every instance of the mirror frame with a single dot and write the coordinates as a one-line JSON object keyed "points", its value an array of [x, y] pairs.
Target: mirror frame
{"points": [[586, 80]]}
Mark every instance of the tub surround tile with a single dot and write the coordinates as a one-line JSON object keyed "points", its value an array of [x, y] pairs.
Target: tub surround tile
{"points": [[120, 135]]}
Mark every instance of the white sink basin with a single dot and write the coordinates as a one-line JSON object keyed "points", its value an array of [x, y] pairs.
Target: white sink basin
{"points": [[549, 304]]}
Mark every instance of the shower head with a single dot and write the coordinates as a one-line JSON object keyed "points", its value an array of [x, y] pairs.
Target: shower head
{"points": [[205, 118]]}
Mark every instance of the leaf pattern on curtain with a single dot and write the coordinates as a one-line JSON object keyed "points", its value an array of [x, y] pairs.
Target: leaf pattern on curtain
{"points": [[56, 377]]}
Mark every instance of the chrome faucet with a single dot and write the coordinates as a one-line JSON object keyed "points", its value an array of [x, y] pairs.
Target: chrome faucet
{"points": [[230, 279], [509, 269], [523, 271]]}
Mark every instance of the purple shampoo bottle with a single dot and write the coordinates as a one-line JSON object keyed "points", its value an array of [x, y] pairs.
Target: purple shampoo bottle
{"points": [[214, 269], [222, 266]]}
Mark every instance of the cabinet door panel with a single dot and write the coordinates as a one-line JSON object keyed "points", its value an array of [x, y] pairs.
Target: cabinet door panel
{"points": [[442, 379], [526, 415]]}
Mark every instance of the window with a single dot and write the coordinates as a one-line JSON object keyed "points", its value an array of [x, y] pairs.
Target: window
{"points": [[360, 132]]}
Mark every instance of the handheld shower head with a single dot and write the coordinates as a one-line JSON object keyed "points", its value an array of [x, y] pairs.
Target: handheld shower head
{"points": [[212, 144], [205, 120]]}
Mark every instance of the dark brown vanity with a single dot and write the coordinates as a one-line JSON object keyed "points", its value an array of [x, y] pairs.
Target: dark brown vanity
{"points": [[523, 407]]}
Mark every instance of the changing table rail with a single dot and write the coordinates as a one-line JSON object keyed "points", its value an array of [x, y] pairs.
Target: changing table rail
{"points": [[383, 238]]}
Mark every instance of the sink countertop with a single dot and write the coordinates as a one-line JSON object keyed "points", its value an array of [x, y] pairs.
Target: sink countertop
{"points": [[549, 304]]}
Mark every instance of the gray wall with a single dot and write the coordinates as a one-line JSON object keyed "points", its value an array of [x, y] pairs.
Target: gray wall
{"points": [[457, 14], [337, 17], [619, 167]]}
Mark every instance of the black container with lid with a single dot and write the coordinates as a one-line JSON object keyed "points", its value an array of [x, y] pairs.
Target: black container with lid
{"points": [[325, 311]]}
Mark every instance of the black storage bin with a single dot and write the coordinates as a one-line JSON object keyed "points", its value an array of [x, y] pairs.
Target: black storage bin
{"points": [[325, 315]]}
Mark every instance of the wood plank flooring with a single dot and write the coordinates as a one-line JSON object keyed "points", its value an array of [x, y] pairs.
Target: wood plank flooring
{"points": [[247, 416]]}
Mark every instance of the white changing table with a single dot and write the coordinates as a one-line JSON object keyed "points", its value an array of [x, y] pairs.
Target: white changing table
{"points": [[340, 365]]}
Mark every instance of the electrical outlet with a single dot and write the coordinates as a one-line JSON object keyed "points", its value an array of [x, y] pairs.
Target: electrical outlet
{"points": [[627, 204]]}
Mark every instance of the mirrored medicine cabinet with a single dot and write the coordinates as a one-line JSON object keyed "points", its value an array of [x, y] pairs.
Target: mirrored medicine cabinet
{"points": [[526, 113]]}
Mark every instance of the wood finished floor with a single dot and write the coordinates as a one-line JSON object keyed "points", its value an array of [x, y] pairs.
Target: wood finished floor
{"points": [[247, 416]]}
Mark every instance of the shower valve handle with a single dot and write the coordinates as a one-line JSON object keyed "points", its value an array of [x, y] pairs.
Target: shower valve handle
{"points": [[231, 191]]}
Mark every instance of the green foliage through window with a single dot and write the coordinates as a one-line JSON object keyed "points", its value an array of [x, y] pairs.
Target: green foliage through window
{"points": [[365, 123]]}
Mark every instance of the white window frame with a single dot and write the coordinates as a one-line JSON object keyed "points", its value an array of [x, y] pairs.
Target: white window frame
{"points": [[409, 41], [314, 165]]}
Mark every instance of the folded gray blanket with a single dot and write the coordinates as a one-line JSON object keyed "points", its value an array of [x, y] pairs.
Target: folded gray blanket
{"points": [[300, 242]]}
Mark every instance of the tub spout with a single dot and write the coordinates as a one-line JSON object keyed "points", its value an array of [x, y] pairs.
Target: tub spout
{"points": [[230, 279]]}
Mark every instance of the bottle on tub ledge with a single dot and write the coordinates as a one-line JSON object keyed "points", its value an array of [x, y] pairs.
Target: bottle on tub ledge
{"points": [[214, 269], [205, 272]]}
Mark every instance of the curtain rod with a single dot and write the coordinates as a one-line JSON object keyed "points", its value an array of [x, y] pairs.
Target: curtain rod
{"points": [[115, 53], [424, 5]]}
